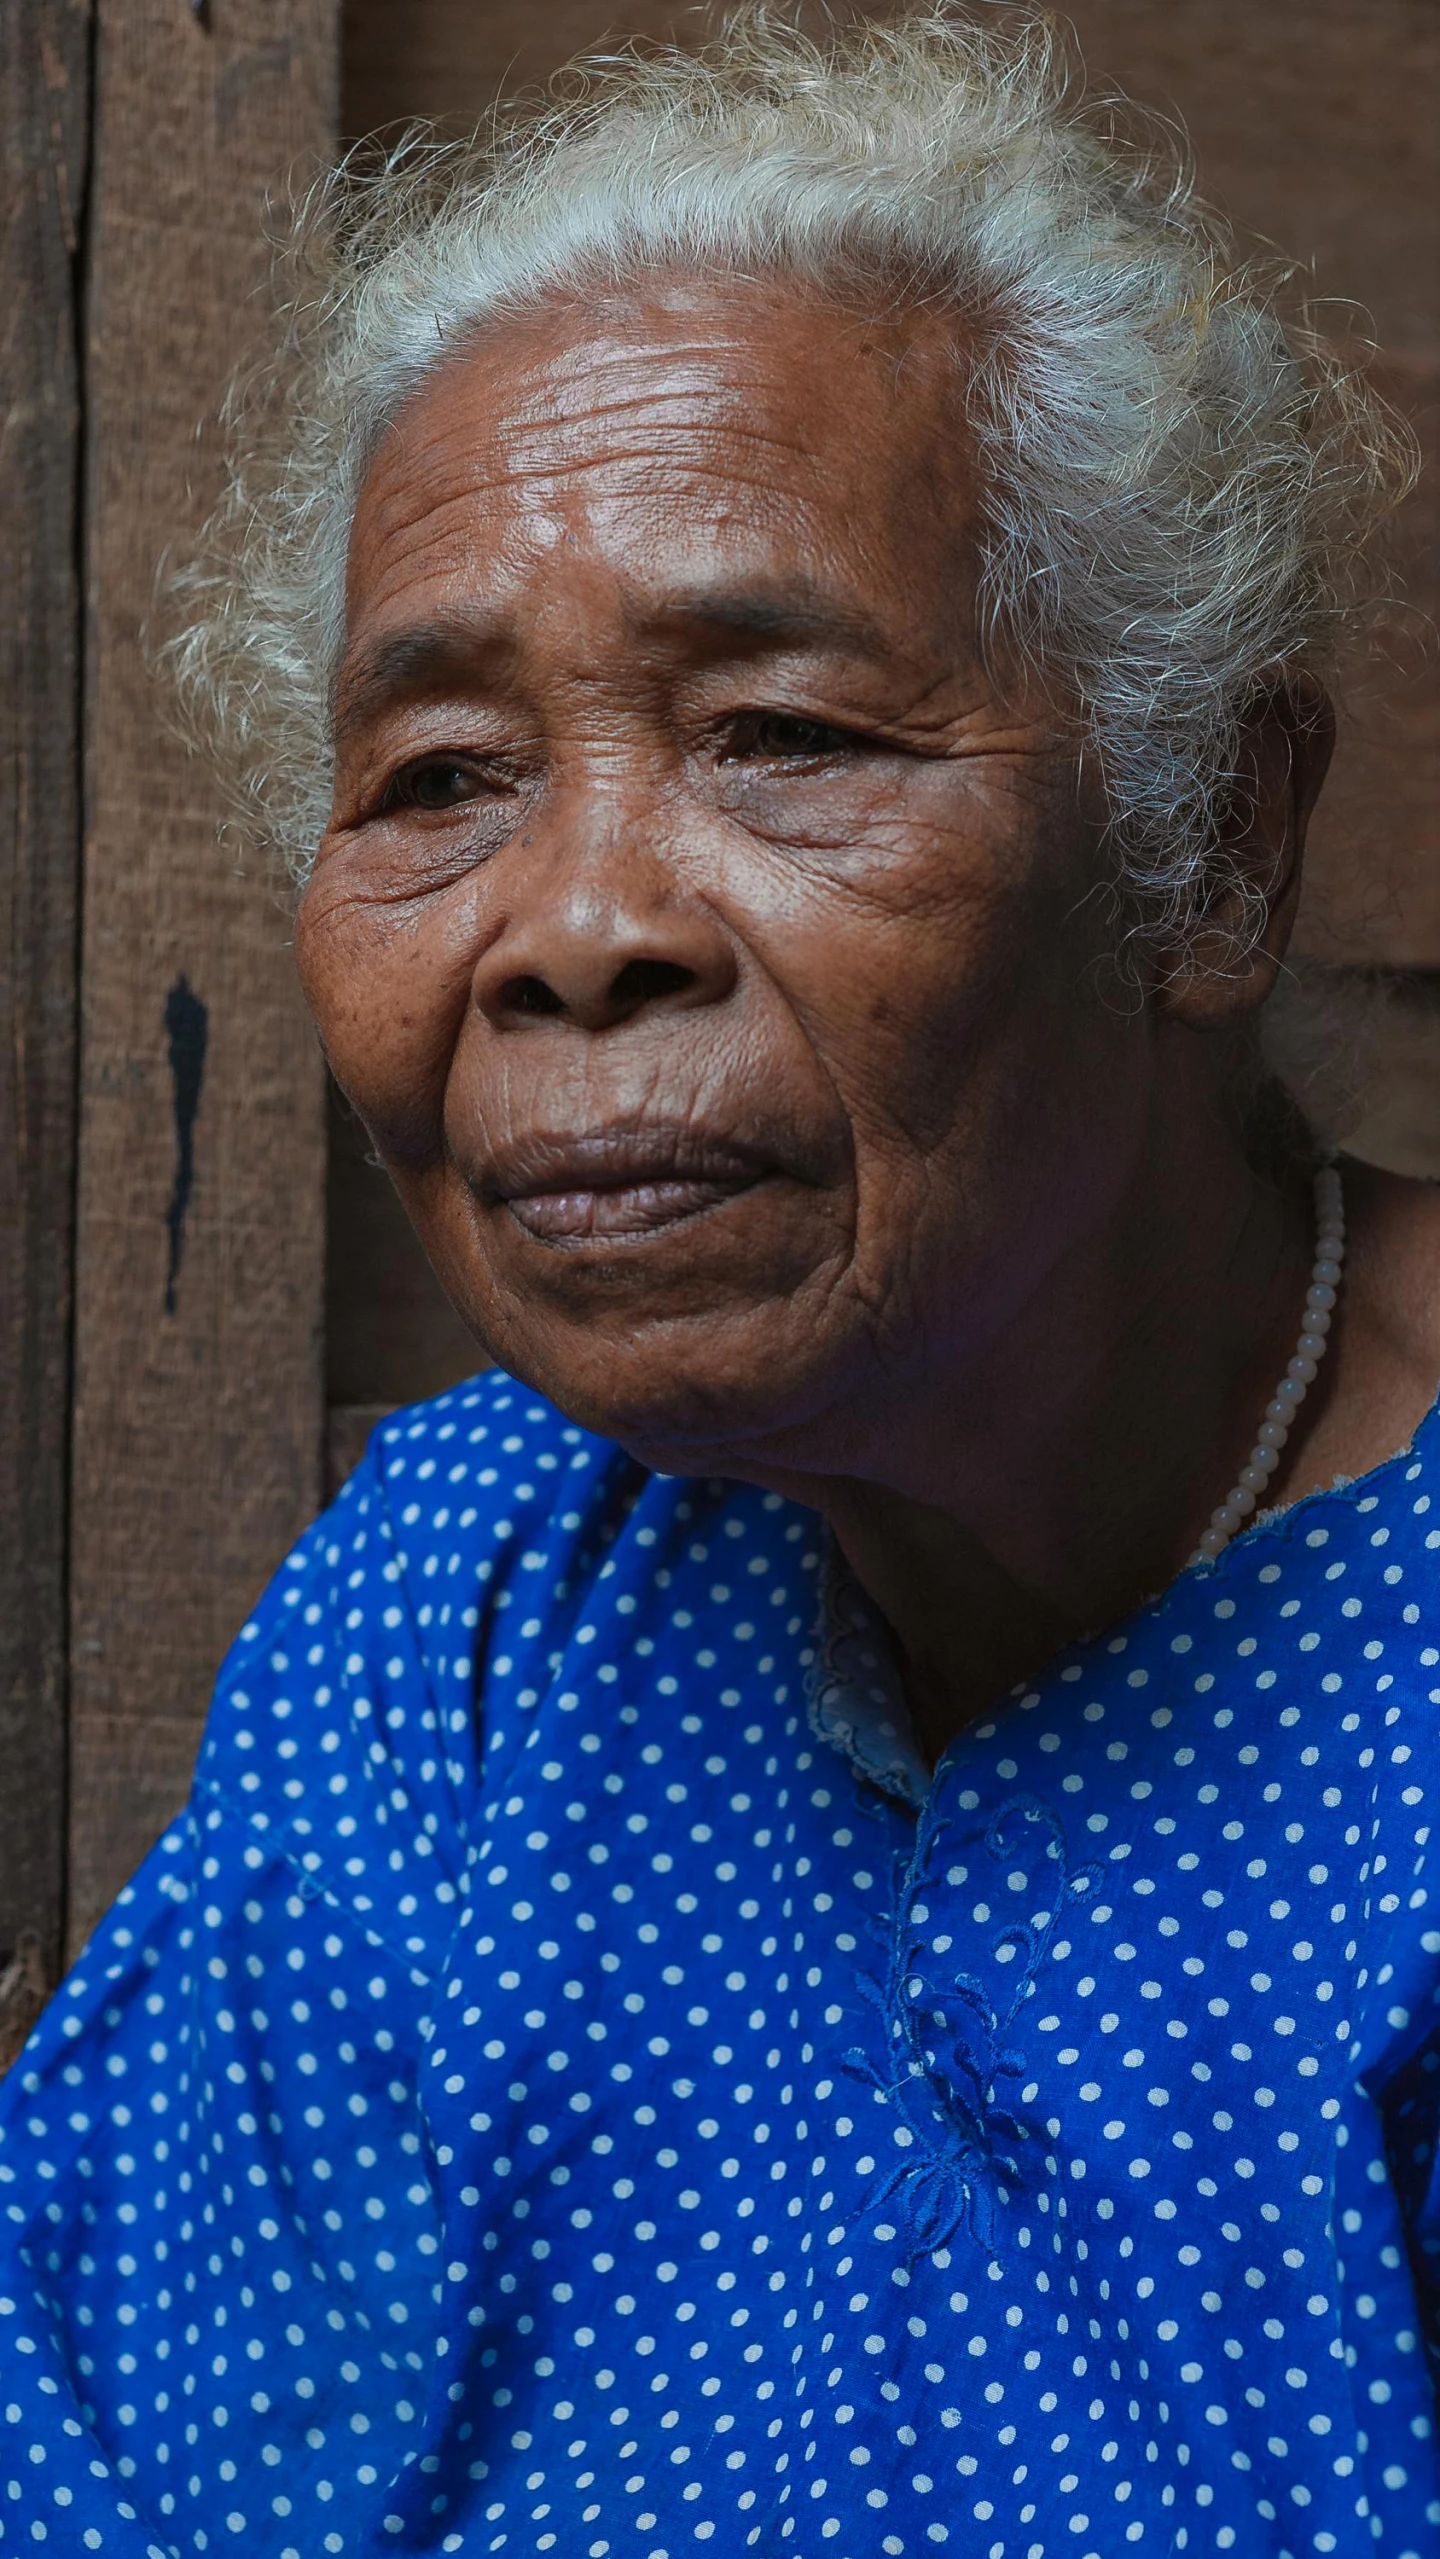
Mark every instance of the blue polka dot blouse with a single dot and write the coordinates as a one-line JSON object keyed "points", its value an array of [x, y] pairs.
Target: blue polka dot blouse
{"points": [[571, 2082]]}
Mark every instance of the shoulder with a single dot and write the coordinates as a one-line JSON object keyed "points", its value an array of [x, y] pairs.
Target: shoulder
{"points": [[482, 1444], [347, 1704], [462, 1483], [454, 1500], [451, 1500]]}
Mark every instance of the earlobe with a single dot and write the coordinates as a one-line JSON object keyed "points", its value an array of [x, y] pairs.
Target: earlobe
{"points": [[1226, 962]]}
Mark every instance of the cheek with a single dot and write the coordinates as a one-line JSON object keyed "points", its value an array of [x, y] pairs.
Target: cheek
{"points": [[946, 985], [899, 974], [390, 989]]}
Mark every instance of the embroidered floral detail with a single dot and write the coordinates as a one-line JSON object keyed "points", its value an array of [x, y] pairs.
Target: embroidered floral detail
{"points": [[951, 2059]]}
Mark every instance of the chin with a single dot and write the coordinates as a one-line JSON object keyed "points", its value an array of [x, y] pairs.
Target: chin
{"points": [[686, 1394], [676, 1345]]}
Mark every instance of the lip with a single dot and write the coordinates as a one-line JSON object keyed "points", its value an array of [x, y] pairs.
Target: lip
{"points": [[621, 1186]]}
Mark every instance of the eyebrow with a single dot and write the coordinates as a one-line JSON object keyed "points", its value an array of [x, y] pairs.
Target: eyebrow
{"points": [[420, 659], [795, 612], [430, 658]]}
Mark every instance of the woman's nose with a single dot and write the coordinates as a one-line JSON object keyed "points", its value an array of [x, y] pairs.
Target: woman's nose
{"points": [[598, 954]]}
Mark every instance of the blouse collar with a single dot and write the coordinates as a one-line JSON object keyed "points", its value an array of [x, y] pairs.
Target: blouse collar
{"points": [[857, 1702]]}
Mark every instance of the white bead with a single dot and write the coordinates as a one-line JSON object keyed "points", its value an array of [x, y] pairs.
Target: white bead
{"points": [[1310, 1349]]}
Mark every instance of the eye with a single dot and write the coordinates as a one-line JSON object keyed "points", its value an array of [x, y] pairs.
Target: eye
{"points": [[780, 736], [434, 782]]}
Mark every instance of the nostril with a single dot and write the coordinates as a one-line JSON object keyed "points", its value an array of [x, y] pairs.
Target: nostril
{"points": [[634, 986], [646, 981], [530, 995]]}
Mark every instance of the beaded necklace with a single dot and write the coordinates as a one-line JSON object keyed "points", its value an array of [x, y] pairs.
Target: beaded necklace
{"points": [[1299, 1375]]}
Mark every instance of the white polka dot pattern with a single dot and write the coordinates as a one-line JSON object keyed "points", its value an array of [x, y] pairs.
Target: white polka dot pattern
{"points": [[622, 2119]]}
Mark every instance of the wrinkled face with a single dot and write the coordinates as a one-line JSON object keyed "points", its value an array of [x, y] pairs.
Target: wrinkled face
{"points": [[701, 934]]}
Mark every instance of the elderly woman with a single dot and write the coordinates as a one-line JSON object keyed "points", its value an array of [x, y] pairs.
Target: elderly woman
{"points": [[808, 1918]]}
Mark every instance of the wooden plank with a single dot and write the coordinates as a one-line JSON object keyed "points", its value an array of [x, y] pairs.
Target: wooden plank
{"points": [[1372, 893], [1317, 126], [44, 142], [449, 59], [1313, 123], [198, 1420]]}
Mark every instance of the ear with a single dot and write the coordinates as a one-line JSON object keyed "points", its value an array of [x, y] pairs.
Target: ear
{"points": [[1225, 967]]}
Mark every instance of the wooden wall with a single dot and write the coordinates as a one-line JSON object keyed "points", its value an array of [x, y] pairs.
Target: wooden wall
{"points": [[199, 1243], [161, 1425], [44, 128], [1316, 124]]}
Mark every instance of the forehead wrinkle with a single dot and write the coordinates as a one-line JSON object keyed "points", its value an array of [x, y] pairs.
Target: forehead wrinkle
{"points": [[580, 468], [707, 408], [680, 457], [667, 421], [695, 410], [433, 536], [611, 375], [402, 501]]}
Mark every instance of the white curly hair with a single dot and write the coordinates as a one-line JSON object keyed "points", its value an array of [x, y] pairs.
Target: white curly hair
{"points": [[1181, 479]]}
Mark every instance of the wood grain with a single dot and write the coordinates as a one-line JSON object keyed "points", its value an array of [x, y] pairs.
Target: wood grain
{"points": [[44, 142], [1316, 125], [197, 1432], [449, 60]]}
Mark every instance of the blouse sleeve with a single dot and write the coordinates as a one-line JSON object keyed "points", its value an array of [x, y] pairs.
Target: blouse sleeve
{"points": [[215, 2177]]}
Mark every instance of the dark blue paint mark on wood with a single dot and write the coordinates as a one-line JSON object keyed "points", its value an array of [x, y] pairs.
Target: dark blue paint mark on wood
{"points": [[187, 1026]]}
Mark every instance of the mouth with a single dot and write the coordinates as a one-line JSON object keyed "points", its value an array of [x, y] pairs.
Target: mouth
{"points": [[622, 1187]]}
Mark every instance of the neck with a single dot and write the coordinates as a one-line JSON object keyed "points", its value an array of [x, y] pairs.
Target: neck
{"points": [[1054, 1485]]}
